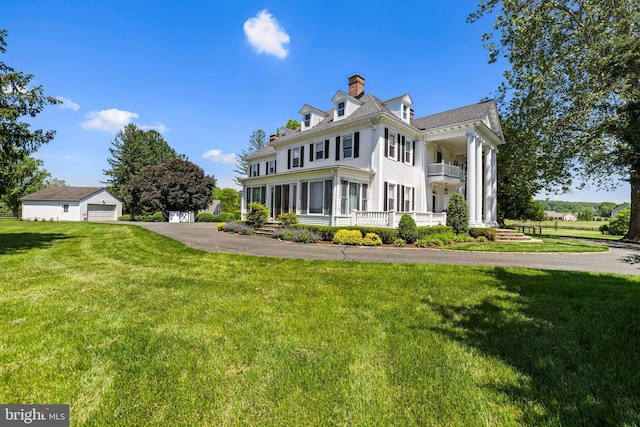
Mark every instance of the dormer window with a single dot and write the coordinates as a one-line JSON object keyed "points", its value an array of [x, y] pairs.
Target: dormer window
{"points": [[307, 120], [404, 111], [340, 109]]}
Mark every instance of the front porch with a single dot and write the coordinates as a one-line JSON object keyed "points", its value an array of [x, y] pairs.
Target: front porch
{"points": [[389, 219]]}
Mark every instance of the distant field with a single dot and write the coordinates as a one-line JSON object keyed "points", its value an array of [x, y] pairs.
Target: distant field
{"points": [[580, 229]]}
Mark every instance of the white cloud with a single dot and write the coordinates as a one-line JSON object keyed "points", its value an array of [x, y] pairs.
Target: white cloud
{"points": [[264, 33], [216, 156], [67, 104], [159, 127], [111, 120]]}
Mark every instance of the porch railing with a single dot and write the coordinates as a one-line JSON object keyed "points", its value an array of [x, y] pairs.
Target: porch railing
{"points": [[392, 219], [443, 169]]}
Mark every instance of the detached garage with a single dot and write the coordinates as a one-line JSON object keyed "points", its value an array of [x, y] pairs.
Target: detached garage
{"points": [[71, 204]]}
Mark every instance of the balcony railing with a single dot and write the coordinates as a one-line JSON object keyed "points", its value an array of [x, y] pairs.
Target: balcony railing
{"points": [[444, 170], [392, 219]]}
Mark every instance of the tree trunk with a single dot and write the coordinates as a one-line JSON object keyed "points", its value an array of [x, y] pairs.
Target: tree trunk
{"points": [[633, 234]]}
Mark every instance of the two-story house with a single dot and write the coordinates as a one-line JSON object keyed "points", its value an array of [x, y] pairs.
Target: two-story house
{"points": [[367, 162]]}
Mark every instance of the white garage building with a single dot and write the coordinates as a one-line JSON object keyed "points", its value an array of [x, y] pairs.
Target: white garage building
{"points": [[71, 204]]}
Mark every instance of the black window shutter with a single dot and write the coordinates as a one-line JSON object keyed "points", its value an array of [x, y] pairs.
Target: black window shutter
{"points": [[311, 152], [302, 156], [398, 198], [266, 167], [258, 169], [404, 148], [356, 144], [337, 148], [386, 143], [413, 151], [386, 196], [275, 164], [289, 158], [398, 147], [402, 199], [326, 148]]}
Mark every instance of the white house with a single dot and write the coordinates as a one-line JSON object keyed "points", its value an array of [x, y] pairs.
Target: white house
{"points": [[561, 216], [367, 162], [71, 204]]}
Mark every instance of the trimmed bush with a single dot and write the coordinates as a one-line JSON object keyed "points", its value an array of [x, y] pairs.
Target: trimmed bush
{"points": [[347, 237], [157, 217], [258, 215], [125, 217], [205, 217], [458, 214], [221, 226], [431, 231], [399, 243], [407, 229], [371, 239], [226, 217], [289, 218]]}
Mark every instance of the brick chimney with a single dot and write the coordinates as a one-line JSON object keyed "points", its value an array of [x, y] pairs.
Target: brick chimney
{"points": [[411, 113], [356, 85], [273, 138]]}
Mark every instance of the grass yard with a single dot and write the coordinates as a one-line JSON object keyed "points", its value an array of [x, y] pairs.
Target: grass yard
{"points": [[549, 245], [131, 328]]}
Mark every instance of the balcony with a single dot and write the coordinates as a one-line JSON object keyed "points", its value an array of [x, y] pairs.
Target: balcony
{"points": [[444, 173]]}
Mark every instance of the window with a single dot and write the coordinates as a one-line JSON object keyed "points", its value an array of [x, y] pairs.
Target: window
{"points": [[340, 109], [319, 150], [65, 208], [254, 169], [271, 167], [307, 120], [295, 157], [353, 195], [408, 152], [316, 197], [392, 146], [255, 194], [347, 147], [391, 197], [408, 198], [404, 111]]}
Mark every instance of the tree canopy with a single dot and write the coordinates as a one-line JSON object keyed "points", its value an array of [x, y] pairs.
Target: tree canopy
{"points": [[18, 100], [132, 150], [572, 93], [176, 185], [257, 141], [229, 198]]}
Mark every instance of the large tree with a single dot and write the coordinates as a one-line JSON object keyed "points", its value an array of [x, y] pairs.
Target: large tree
{"points": [[176, 185], [26, 176], [132, 150], [18, 99], [257, 141], [573, 87], [229, 198]]}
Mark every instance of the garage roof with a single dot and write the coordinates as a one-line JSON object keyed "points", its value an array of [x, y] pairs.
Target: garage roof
{"points": [[63, 194]]}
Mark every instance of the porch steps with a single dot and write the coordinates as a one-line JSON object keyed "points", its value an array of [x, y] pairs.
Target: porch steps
{"points": [[268, 229], [506, 235]]}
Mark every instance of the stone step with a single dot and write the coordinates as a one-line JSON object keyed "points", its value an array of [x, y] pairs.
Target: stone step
{"points": [[268, 229]]}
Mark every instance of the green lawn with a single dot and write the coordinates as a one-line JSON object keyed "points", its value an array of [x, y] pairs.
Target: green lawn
{"points": [[131, 328], [550, 245]]}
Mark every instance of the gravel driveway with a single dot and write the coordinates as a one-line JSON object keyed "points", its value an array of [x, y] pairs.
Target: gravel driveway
{"points": [[205, 236]]}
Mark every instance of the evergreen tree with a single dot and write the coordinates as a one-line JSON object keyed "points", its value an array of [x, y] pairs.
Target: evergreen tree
{"points": [[458, 214], [257, 141]]}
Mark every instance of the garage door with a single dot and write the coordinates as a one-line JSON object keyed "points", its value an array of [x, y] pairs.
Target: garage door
{"points": [[101, 212]]}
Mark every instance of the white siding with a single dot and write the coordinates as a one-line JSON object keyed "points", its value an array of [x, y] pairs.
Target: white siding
{"points": [[54, 211]]}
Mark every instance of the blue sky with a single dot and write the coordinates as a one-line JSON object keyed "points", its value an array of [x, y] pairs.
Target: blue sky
{"points": [[208, 73]]}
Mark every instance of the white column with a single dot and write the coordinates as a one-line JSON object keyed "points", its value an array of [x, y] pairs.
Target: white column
{"points": [[479, 182], [489, 196], [494, 187], [471, 176]]}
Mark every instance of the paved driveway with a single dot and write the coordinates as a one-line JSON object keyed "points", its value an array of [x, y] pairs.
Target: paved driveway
{"points": [[205, 236]]}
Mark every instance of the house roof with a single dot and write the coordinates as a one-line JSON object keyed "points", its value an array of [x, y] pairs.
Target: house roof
{"points": [[457, 115], [63, 194]]}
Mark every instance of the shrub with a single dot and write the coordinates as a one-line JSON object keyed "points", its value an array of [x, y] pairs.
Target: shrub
{"points": [[237, 215], [125, 217], [244, 229], [226, 217], [462, 238], [430, 231], [482, 239], [458, 214], [305, 235], [407, 229], [399, 243], [371, 239], [157, 217], [230, 226], [205, 217], [487, 233], [258, 215], [347, 237], [619, 225], [446, 238], [289, 218], [426, 242], [221, 226], [604, 229], [437, 241]]}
